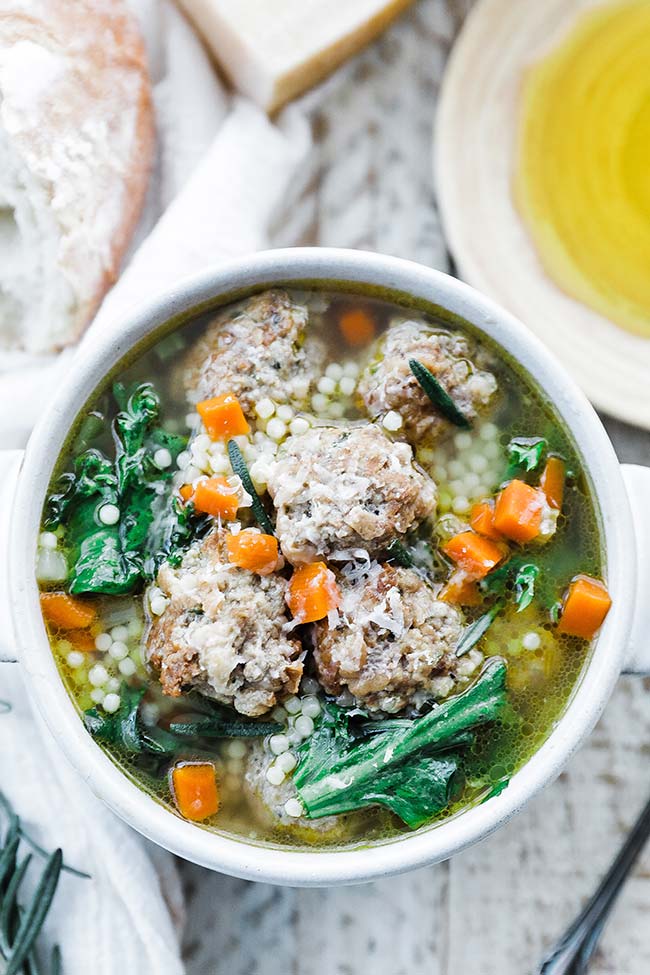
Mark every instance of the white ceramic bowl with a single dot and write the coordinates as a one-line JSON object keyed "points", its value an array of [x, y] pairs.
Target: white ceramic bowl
{"points": [[309, 268]]}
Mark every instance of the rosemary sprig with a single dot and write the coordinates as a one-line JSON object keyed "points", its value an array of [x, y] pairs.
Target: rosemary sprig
{"points": [[21, 924], [477, 629], [25, 836], [240, 468], [438, 395]]}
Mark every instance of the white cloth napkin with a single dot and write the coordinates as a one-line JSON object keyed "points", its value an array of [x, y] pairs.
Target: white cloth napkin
{"points": [[223, 170]]}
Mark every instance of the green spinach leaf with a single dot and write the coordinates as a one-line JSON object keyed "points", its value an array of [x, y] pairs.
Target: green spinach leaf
{"points": [[525, 453], [152, 526], [403, 769]]}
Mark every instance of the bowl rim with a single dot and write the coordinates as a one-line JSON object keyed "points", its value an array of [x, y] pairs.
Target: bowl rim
{"points": [[307, 867]]}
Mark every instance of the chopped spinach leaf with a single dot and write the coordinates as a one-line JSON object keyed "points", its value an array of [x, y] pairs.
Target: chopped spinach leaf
{"points": [[115, 558], [525, 453], [496, 789], [125, 730], [399, 554], [524, 585], [516, 579], [413, 770]]}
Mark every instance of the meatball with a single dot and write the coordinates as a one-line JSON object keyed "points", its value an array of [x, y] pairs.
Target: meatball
{"points": [[222, 632], [268, 801], [387, 383], [255, 350], [340, 489], [394, 644]]}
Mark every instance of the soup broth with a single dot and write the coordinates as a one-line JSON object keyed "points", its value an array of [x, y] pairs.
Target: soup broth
{"points": [[292, 549]]}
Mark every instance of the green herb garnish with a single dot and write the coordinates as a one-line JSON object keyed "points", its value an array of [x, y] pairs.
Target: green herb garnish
{"points": [[399, 554], [411, 770], [476, 630], [21, 923], [438, 395], [516, 579], [241, 470], [524, 585], [525, 453]]}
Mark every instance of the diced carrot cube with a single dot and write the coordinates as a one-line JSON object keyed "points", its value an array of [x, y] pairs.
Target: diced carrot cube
{"points": [[552, 482], [461, 591], [482, 520], [214, 496], [81, 640], [252, 550], [586, 605], [223, 417], [186, 491], [518, 511], [475, 555], [312, 592], [67, 612], [357, 326], [194, 788]]}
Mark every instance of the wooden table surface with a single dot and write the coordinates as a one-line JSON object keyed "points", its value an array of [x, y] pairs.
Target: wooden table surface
{"points": [[494, 909]]}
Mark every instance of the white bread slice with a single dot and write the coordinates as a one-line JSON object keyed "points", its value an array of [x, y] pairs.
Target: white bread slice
{"points": [[273, 50], [76, 146]]}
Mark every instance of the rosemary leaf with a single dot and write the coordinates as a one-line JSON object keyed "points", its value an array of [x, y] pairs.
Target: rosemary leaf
{"points": [[477, 629], [43, 853], [9, 907], [56, 967], [215, 728], [8, 855], [35, 915], [438, 395], [240, 468]]}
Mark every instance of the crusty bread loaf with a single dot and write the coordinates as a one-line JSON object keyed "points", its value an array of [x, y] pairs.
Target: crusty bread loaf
{"points": [[273, 50], [76, 146]]}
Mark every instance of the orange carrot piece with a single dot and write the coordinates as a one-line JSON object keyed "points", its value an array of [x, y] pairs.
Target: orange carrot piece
{"points": [[552, 482], [475, 555], [461, 591], [194, 788], [81, 640], [223, 417], [482, 520], [518, 511], [67, 612], [252, 550], [586, 605], [312, 592], [214, 496], [186, 491], [357, 326]]}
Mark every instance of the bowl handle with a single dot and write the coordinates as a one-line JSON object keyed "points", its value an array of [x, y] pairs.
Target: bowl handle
{"points": [[637, 483], [10, 462]]}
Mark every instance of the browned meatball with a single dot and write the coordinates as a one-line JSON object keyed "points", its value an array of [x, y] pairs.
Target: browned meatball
{"points": [[395, 642], [221, 632], [339, 489], [387, 383], [255, 350]]}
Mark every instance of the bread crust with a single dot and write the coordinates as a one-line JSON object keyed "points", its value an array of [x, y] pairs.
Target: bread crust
{"points": [[84, 131]]}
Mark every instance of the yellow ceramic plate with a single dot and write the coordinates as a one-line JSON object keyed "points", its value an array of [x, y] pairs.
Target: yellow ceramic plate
{"points": [[478, 140]]}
